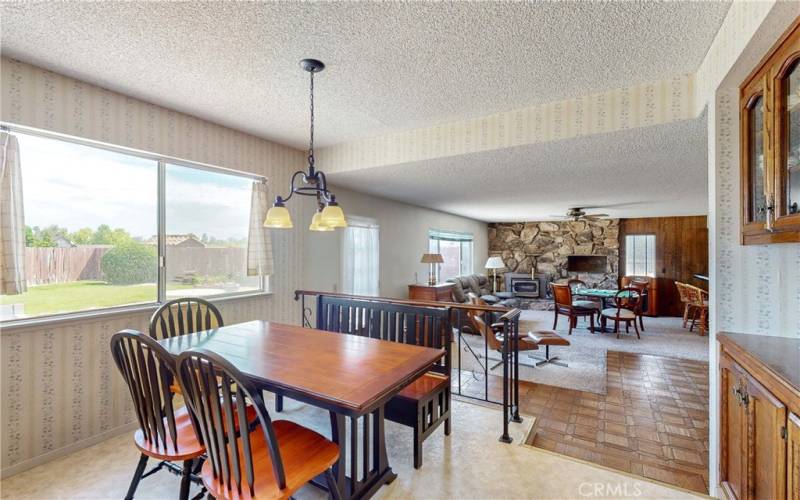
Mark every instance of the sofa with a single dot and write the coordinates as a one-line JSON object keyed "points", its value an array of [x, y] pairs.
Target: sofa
{"points": [[480, 286]]}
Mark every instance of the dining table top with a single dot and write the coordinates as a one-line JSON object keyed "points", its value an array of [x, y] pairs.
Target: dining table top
{"points": [[340, 371]]}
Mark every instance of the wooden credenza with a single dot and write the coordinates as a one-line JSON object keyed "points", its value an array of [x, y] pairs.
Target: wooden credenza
{"points": [[759, 416], [440, 292]]}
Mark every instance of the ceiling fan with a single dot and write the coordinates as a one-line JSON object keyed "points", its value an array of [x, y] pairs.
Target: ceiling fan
{"points": [[578, 213]]}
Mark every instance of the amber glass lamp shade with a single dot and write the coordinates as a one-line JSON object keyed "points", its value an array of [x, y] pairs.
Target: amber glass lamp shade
{"points": [[317, 224], [333, 215], [278, 217]]}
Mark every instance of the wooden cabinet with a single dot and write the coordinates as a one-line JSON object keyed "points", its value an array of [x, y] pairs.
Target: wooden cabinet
{"points": [[769, 104], [436, 293], [793, 458], [759, 433]]}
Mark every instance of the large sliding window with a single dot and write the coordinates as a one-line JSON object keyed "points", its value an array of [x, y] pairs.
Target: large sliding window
{"points": [[456, 251], [92, 233]]}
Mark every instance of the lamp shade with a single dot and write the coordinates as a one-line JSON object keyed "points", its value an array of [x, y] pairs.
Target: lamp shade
{"points": [[431, 258], [495, 263], [278, 218], [333, 216], [317, 224]]}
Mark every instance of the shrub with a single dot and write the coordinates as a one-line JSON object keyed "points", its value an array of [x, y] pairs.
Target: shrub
{"points": [[129, 264]]}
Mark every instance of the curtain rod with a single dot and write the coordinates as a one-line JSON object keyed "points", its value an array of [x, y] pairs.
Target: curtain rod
{"points": [[10, 127]]}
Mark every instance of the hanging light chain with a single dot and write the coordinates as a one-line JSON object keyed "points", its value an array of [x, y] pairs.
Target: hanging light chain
{"points": [[311, 134]]}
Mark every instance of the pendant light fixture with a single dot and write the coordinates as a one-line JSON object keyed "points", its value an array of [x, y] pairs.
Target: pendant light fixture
{"points": [[329, 214]]}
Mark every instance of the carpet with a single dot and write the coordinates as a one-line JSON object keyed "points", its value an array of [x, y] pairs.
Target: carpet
{"points": [[586, 356]]}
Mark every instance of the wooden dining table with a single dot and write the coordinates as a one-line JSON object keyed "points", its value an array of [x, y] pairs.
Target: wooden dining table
{"points": [[350, 376]]}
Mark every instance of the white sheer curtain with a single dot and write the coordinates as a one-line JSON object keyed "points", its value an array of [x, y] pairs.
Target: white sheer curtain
{"points": [[360, 252], [12, 220], [259, 241]]}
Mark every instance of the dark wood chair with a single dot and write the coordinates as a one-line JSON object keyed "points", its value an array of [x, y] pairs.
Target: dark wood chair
{"points": [[182, 316], [269, 460], [644, 288], [165, 433], [424, 404], [493, 333], [565, 306], [626, 301]]}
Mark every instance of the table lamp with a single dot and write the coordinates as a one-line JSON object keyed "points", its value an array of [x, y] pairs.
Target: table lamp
{"points": [[432, 259], [495, 263]]}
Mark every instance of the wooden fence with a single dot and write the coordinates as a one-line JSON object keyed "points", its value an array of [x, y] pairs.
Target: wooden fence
{"points": [[62, 265]]}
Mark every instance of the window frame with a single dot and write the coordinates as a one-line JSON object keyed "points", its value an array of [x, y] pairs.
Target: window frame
{"points": [[162, 162], [647, 261], [458, 237]]}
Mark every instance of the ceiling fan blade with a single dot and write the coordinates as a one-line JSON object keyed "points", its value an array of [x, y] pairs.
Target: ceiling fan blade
{"points": [[559, 217], [595, 216]]}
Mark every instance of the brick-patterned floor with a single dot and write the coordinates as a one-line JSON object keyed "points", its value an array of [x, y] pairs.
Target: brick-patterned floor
{"points": [[652, 422]]}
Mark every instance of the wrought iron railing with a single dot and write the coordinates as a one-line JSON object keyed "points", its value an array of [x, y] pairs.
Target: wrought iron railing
{"points": [[460, 326]]}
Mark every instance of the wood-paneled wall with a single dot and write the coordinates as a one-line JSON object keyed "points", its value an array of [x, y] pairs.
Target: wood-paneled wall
{"points": [[681, 252]]}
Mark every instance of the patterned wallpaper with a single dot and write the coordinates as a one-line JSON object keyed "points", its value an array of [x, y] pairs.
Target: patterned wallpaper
{"points": [[60, 389], [619, 109], [757, 286]]}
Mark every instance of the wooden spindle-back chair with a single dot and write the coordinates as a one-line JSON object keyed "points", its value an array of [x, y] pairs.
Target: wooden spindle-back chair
{"points": [[182, 316], [425, 403], [269, 460], [165, 433]]}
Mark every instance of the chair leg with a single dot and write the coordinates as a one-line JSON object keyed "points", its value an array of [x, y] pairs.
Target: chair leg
{"points": [[686, 315], [627, 327], [333, 486], [635, 327], [571, 323], [418, 441], [641, 322], [185, 479], [591, 323], [555, 320], [137, 475]]}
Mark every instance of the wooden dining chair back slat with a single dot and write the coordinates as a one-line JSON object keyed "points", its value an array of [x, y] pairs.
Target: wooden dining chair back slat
{"points": [[148, 372], [165, 433], [182, 316], [218, 407]]}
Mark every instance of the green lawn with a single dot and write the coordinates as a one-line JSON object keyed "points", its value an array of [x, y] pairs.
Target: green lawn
{"points": [[79, 295]]}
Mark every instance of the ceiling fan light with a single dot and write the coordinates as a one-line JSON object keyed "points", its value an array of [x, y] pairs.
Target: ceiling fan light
{"points": [[317, 224], [278, 217], [333, 215]]}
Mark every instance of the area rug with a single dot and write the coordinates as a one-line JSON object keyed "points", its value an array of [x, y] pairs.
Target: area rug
{"points": [[586, 356]]}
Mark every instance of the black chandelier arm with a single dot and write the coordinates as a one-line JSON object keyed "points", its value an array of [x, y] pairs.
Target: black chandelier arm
{"points": [[320, 188]]}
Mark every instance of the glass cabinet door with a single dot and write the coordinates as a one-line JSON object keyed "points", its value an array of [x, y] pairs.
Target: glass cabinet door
{"points": [[790, 142], [757, 203]]}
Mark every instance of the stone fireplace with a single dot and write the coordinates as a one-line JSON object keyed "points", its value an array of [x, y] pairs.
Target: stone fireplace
{"points": [[549, 251]]}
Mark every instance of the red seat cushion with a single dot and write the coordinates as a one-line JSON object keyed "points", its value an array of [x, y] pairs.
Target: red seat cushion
{"points": [[423, 386]]}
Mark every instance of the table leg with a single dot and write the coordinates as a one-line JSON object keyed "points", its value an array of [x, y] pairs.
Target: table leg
{"points": [[375, 469]]}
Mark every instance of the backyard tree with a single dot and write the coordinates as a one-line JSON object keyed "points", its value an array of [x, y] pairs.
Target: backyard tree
{"points": [[130, 263]]}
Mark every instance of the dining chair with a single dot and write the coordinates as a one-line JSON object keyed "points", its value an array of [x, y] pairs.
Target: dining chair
{"points": [[182, 316], [587, 303], [165, 433], [643, 287], [565, 305], [626, 301], [270, 459], [698, 299]]}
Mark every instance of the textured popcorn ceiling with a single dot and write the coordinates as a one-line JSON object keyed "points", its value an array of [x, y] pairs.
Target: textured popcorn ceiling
{"points": [[391, 66], [645, 172]]}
